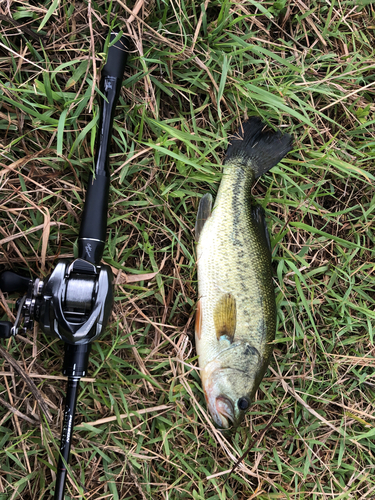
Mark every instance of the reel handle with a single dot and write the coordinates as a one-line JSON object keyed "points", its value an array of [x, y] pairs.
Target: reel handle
{"points": [[12, 282]]}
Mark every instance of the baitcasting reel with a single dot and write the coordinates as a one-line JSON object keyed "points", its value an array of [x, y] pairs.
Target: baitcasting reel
{"points": [[74, 305], [75, 302]]}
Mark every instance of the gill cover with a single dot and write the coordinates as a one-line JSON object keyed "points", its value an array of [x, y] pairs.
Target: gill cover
{"points": [[230, 382]]}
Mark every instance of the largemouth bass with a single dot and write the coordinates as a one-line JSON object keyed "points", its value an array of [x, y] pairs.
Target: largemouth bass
{"points": [[236, 310]]}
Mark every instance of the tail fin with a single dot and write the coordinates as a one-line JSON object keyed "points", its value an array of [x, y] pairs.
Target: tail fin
{"points": [[260, 150]]}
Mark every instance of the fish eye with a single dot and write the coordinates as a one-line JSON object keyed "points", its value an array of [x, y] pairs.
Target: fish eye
{"points": [[243, 403]]}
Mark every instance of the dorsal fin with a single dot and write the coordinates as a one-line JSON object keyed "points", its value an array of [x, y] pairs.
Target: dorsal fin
{"points": [[225, 317], [259, 217], [204, 211]]}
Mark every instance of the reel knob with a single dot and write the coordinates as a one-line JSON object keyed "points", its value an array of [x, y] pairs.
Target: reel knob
{"points": [[12, 282], [6, 329]]}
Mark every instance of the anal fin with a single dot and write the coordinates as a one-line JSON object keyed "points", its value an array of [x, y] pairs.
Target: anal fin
{"points": [[225, 317], [204, 211]]}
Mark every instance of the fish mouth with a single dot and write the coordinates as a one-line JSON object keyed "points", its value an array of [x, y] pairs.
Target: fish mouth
{"points": [[223, 412]]}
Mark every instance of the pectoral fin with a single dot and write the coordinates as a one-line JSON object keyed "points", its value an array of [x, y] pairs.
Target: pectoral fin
{"points": [[225, 317], [204, 211], [198, 321]]}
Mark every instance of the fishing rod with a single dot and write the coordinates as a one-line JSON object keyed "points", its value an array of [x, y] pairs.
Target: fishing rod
{"points": [[74, 303]]}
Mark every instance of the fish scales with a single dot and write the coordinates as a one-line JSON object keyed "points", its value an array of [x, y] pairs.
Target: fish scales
{"points": [[232, 259], [236, 312]]}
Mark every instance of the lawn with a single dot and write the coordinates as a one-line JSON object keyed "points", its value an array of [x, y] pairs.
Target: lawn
{"points": [[195, 72]]}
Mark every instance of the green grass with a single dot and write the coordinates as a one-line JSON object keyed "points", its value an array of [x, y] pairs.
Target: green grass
{"points": [[194, 74]]}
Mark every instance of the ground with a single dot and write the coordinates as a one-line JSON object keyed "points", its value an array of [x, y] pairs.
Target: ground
{"points": [[195, 72]]}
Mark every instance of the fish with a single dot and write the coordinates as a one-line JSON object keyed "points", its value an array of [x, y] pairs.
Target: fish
{"points": [[235, 321]]}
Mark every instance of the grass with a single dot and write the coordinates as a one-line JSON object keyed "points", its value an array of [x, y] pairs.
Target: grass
{"points": [[196, 71]]}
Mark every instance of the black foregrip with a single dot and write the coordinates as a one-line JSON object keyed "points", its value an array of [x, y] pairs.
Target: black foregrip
{"points": [[93, 230]]}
